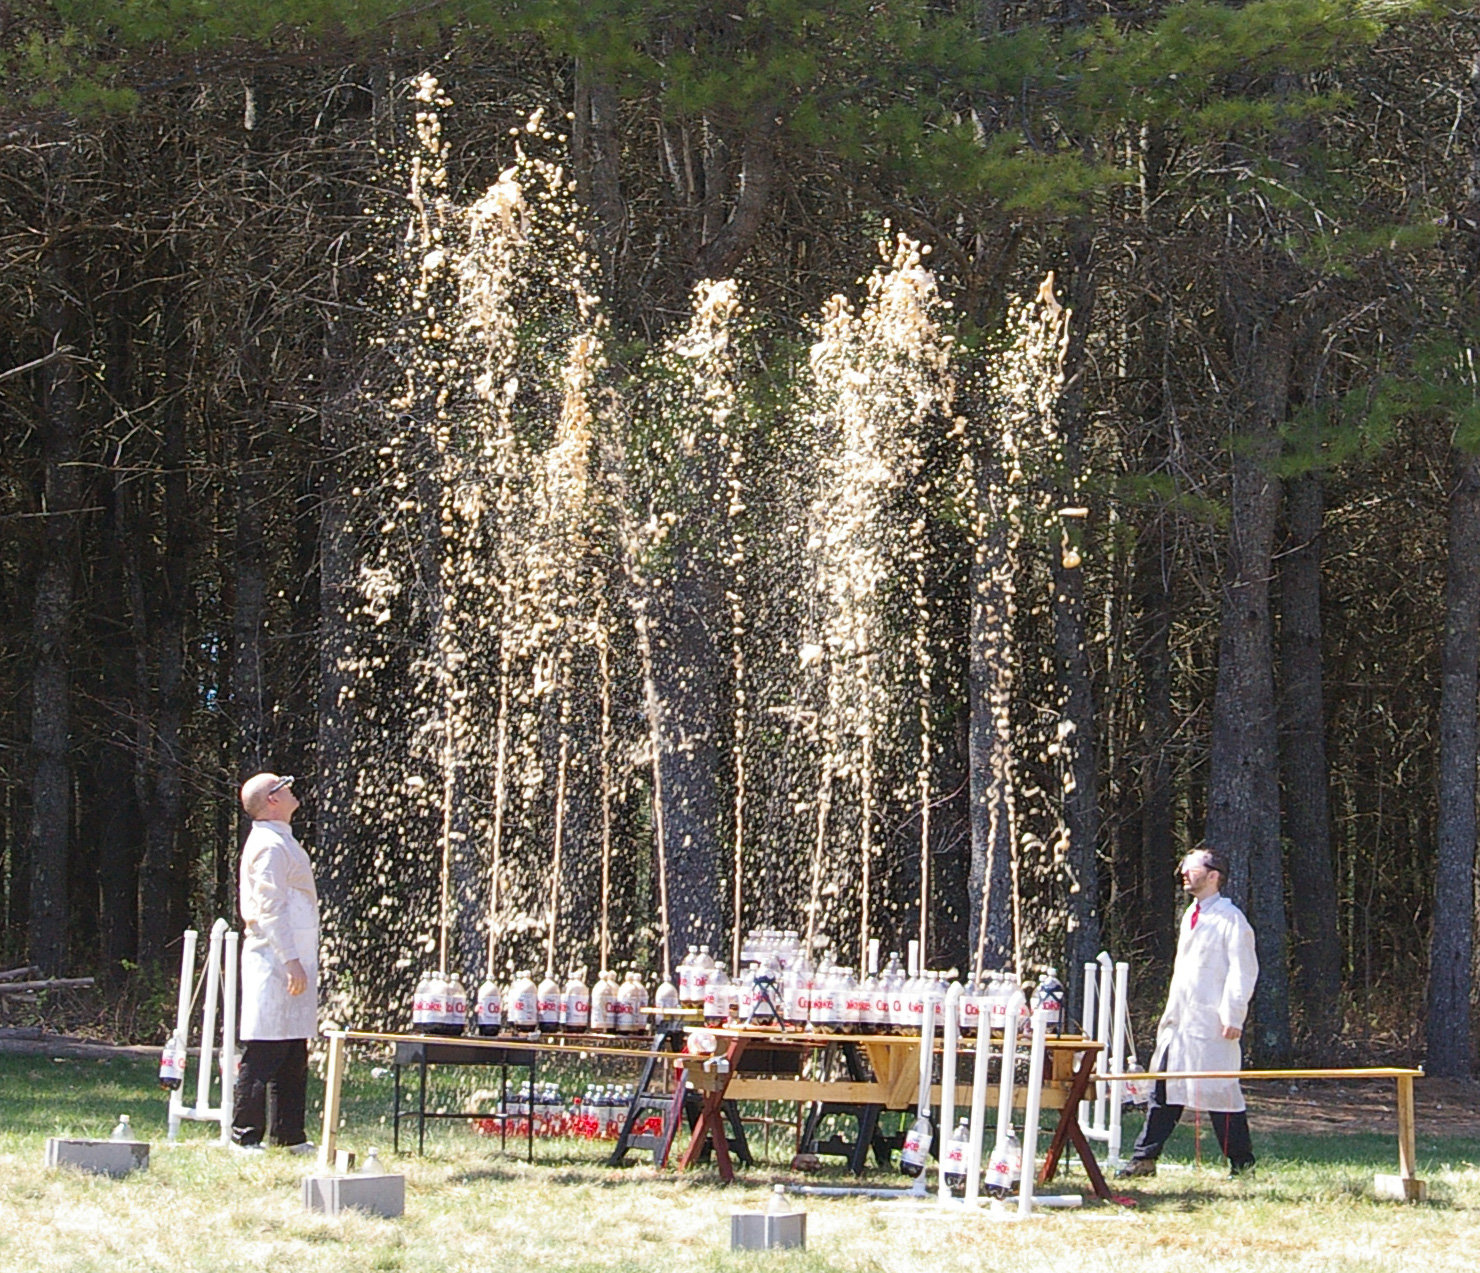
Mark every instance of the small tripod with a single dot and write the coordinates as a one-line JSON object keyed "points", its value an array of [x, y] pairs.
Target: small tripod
{"points": [[765, 993]]}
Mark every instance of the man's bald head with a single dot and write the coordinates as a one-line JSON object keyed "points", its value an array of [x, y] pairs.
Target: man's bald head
{"points": [[267, 796]]}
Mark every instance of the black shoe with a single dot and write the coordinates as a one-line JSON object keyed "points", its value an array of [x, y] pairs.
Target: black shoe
{"points": [[1241, 1171], [1137, 1167]]}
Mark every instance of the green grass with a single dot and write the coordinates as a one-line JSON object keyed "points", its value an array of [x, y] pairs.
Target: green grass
{"points": [[469, 1208]]}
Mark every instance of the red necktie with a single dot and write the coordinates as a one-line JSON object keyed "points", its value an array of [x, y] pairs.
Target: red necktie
{"points": [[1196, 911]]}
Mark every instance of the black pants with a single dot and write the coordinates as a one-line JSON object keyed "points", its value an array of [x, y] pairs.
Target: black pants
{"points": [[1232, 1130], [278, 1067]]}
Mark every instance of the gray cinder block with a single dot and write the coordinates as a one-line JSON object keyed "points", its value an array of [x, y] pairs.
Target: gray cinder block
{"points": [[763, 1230], [381, 1195], [101, 1157]]}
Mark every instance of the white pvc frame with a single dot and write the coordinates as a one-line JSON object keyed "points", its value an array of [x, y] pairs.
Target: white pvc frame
{"points": [[1033, 1103], [221, 954], [928, 997], [950, 1046], [1107, 1006], [1031, 1111]]}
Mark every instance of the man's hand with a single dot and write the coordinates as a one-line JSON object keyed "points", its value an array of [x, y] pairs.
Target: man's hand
{"points": [[1231, 1032], [298, 979]]}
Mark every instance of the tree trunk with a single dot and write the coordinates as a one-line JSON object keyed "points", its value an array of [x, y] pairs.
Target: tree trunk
{"points": [[1158, 891], [120, 830], [1071, 633], [1156, 559], [596, 154], [1316, 944], [251, 712], [114, 823], [720, 255], [687, 654], [1452, 946], [249, 611], [159, 876], [991, 760], [1243, 776], [51, 627]]}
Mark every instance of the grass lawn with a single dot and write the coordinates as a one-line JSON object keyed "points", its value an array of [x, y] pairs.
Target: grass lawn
{"points": [[468, 1208]]}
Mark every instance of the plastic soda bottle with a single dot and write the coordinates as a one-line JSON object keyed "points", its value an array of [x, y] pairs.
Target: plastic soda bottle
{"points": [[917, 1142], [172, 1063], [956, 1155]]}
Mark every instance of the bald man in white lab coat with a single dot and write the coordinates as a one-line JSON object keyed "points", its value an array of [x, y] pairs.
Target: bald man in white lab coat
{"points": [[280, 955], [1212, 982]]}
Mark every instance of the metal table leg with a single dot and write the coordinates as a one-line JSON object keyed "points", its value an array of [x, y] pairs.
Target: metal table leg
{"points": [[529, 1122], [396, 1112], [421, 1110]]}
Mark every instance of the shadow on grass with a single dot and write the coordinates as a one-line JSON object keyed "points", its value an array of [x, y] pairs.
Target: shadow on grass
{"points": [[492, 1174]]}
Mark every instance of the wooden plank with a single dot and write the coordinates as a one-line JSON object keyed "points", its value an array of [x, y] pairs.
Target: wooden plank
{"points": [[333, 1085], [1370, 1072], [748, 1088], [50, 983], [1407, 1144], [842, 1091]]}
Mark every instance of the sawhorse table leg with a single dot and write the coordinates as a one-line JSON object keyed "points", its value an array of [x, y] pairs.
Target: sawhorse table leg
{"points": [[1068, 1131], [710, 1127], [672, 1118]]}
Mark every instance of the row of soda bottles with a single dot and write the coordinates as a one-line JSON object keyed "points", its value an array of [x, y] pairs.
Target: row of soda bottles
{"points": [[597, 1114], [826, 998], [1002, 1167]]}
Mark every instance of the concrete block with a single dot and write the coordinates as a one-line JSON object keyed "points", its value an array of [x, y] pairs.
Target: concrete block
{"points": [[1399, 1189], [382, 1195], [101, 1157], [764, 1230]]}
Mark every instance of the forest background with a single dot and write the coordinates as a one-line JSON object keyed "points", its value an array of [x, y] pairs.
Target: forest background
{"points": [[1264, 218]]}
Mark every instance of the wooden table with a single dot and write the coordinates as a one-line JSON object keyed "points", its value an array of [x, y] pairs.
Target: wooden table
{"points": [[895, 1062]]}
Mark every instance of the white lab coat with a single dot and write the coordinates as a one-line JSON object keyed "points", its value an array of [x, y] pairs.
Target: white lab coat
{"points": [[280, 907], [1212, 983]]}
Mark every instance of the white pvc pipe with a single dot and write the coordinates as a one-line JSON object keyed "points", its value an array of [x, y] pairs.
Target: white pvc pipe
{"points": [[1102, 1036], [1016, 1007], [1031, 1112], [1087, 1028], [1117, 1060], [914, 958], [927, 1050], [182, 1025], [949, 1047], [228, 1037], [208, 1029], [927, 1071], [978, 1107]]}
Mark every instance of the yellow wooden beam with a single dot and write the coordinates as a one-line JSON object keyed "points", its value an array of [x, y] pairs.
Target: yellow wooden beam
{"points": [[1369, 1072]]}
